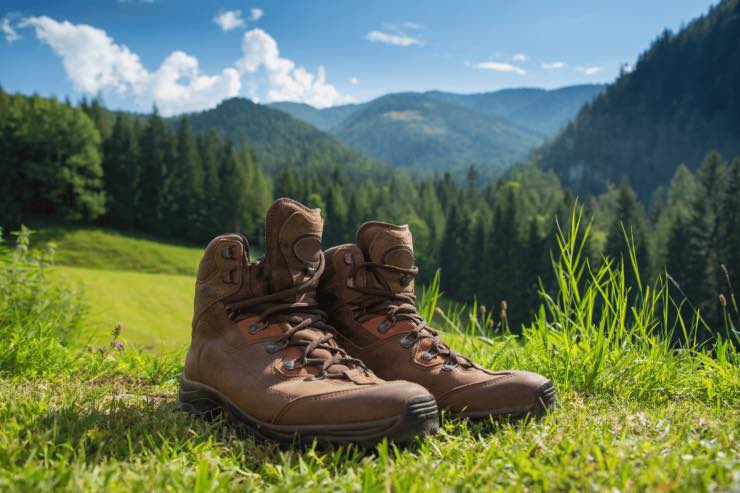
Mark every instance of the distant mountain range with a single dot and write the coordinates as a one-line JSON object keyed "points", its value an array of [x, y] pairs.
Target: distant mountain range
{"points": [[278, 139], [444, 131], [681, 100]]}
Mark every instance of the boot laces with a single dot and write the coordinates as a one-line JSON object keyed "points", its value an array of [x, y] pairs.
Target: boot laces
{"points": [[398, 307], [281, 308]]}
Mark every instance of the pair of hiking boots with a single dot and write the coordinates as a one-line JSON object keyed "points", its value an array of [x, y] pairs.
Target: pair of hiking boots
{"points": [[264, 350]]}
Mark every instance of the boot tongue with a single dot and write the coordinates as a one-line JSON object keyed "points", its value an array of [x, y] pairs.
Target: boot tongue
{"points": [[388, 244], [293, 243]]}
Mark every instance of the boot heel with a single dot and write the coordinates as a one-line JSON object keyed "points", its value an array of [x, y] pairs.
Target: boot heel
{"points": [[197, 400]]}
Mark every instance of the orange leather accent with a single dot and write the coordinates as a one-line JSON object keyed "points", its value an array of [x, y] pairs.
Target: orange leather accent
{"points": [[270, 332], [397, 328]]}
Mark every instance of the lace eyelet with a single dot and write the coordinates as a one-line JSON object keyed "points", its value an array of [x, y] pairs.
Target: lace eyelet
{"points": [[427, 356], [407, 342], [449, 366], [272, 347], [384, 327], [254, 328], [290, 364], [226, 252]]}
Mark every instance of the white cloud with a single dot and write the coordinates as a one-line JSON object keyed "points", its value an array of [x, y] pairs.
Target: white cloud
{"points": [[500, 67], [229, 19], [256, 14], [589, 70], [553, 65], [285, 81], [8, 31], [520, 57], [354, 81], [412, 25], [397, 39], [95, 63]]}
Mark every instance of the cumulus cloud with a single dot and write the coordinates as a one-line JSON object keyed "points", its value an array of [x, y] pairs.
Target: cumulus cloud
{"points": [[500, 67], [285, 81], [553, 65], [229, 19], [8, 31], [589, 70], [392, 38], [256, 14], [95, 63], [520, 57]]}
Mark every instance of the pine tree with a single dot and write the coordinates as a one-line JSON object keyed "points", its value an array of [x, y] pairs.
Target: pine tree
{"points": [[729, 231], [122, 174], [628, 226], [210, 147], [187, 180], [155, 198]]}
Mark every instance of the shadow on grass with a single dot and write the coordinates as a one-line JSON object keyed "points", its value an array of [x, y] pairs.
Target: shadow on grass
{"points": [[129, 427]]}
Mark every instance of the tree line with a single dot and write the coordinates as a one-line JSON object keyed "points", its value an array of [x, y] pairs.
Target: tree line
{"points": [[144, 174]]}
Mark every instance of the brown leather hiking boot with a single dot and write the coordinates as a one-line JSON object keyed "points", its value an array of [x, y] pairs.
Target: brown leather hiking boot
{"points": [[262, 353], [368, 292]]}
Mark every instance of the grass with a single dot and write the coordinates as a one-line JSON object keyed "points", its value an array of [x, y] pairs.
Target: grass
{"points": [[154, 309], [98, 248], [636, 414]]}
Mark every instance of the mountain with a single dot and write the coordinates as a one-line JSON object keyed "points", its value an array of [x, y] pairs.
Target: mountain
{"points": [[418, 131], [681, 100], [278, 139], [324, 119], [538, 109], [444, 131]]}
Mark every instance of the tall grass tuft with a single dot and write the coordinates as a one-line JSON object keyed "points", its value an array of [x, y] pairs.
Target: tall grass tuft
{"points": [[37, 315], [596, 334]]}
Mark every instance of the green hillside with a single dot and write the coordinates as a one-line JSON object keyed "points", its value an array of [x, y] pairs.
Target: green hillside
{"points": [[434, 131], [414, 130], [542, 110], [681, 100], [324, 119], [97, 248], [277, 139], [144, 285], [154, 309]]}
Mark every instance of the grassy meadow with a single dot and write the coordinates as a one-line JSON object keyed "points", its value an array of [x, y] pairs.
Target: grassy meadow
{"points": [[636, 414]]}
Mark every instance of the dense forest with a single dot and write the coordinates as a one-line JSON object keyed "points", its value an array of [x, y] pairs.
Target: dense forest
{"points": [[492, 242], [682, 98]]}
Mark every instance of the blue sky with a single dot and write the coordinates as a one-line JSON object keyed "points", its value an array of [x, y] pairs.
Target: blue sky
{"points": [[186, 56]]}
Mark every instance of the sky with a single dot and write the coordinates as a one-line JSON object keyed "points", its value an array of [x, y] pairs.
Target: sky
{"points": [[189, 55]]}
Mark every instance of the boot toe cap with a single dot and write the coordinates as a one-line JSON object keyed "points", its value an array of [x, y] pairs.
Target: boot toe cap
{"points": [[361, 403], [509, 393]]}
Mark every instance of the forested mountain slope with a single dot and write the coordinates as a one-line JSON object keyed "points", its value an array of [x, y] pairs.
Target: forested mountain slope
{"points": [[447, 131], [681, 100], [542, 110], [278, 139], [418, 131]]}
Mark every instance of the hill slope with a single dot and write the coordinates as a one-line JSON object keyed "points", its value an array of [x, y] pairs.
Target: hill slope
{"points": [[681, 100], [447, 131], [538, 109], [418, 131], [324, 119], [278, 139]]}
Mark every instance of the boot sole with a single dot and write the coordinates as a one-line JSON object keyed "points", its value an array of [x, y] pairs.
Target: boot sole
{"points": [[421, 417], [547, 401]]}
